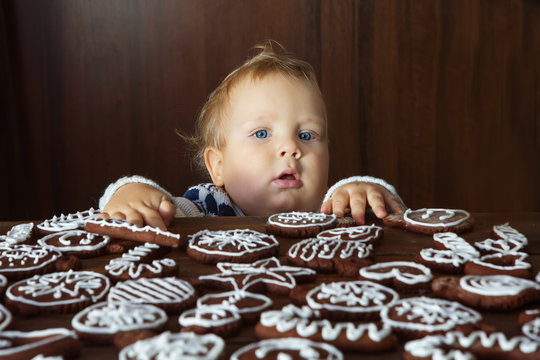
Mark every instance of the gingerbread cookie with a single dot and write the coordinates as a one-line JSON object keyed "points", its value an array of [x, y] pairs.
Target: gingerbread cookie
{"points": [[443, 261], [431, 221], [19, 261], [327, 254], [490, 292], [100, 322], [420, 316], [370, 234], [259, 276], [76, 242], [19, 234], [60, 292], [141, 261], [221, 320], [287, 348], [478, 344], [350, 300], [513, 264], [125, 230], [299, 224], [531, 329], [240, 245], [292, 321], [406, 276], [22, 345], [171, 294], [182, 345], [67, 222], [248, 305]]}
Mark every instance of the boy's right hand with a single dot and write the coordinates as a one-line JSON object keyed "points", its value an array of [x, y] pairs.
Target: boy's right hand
{"points": [[140, 204]]}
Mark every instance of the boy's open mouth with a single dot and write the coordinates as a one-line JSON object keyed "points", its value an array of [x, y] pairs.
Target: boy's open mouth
{"points": [[288, 179]]}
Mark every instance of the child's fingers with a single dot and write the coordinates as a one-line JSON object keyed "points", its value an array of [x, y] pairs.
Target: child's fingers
{"points": [[166, 210], [340, 201], [394, 205], [358, 208], [326, 207], [152, 218], [376, 201]]}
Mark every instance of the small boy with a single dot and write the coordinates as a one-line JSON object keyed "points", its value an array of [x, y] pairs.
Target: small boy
{"points": [[262, 137]]}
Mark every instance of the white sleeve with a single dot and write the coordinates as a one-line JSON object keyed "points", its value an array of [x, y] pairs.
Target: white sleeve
{"points": [[112, 188], [365, 179]]}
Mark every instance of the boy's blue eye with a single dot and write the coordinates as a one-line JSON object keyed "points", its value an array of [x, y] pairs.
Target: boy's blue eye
{"points": [[305, 136], [261, 134]]}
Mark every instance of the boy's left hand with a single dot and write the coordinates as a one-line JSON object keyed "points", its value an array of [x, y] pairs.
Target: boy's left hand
{"points": [[356, 196]]}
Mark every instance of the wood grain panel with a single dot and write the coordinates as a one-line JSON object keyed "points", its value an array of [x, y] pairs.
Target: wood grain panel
{"points": [[440, 98]]}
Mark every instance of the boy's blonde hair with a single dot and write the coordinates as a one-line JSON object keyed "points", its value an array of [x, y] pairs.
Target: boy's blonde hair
{"points": [[209, 130]]}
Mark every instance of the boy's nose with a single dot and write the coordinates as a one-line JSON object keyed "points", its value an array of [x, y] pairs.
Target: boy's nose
{"points": [[290, 150]]}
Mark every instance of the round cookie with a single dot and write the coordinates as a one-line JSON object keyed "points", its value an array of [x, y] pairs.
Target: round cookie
{"points": [[406, 276], [327, 254], [248, 305], [182, 345], [60, 292], [171, 294], [240, 245], [350, 300], [221, 320], [370, 234], [299, 224], [490, 292], [20, 261], [430, 221], [287, 348], [100, 322], [67, 222], [76, 242], [420, 316]]}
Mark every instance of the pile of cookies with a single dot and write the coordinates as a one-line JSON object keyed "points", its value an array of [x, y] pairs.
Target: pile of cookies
{"points": [[429, 305]]}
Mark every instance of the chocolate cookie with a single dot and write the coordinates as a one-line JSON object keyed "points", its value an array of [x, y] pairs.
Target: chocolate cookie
{"points": [[370, 234], [240, 245], [67, 222], [431, 221], [76, 242], [289, 348], [299, 224], [406, 276], [20, 261], [19, 234], [23, 345]]}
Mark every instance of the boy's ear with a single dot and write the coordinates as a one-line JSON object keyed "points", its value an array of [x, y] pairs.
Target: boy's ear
{"points": [[213, 158]]}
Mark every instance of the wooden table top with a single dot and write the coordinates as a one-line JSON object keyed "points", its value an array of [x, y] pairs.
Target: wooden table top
{"points": [[396, 244]]}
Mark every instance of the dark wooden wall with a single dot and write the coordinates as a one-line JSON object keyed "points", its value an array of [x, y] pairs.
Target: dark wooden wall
{"points": [[440, 98]]}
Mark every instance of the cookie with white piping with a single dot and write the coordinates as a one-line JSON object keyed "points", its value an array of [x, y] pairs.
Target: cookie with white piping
{"points": [[239, 245], [183, 345], [123, 229], [60, 292], [489, 292], [299, 224], [100, 322], [63, 222], [19, 234], [76, 242], [511, 263], [288, 348], [370, 234], [19, 261], [403, 276], [249, 305], [306, 323], [431, 220], [222, 320]]}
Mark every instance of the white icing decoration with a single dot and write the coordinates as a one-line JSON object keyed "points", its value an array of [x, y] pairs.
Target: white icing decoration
{"points": [[518, 263], [444, 219], [245, 241], [129, 226], [65, 287], [134, 265], [302, 348], [18, 233], [531, 329], [429, 314], [363, 233], [435, 346], [209, 316], [351, 296], [231, 298], [67, 222], [329, 248], [507, 232], [453, 242], [307, 322], [5, 317], [496, 285], [444, 257], [301, 219], [393, 271], [46, 338], [109, 318], [266, 271], [75, 240], [17, 257], [152, 290], [169, 346]]}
